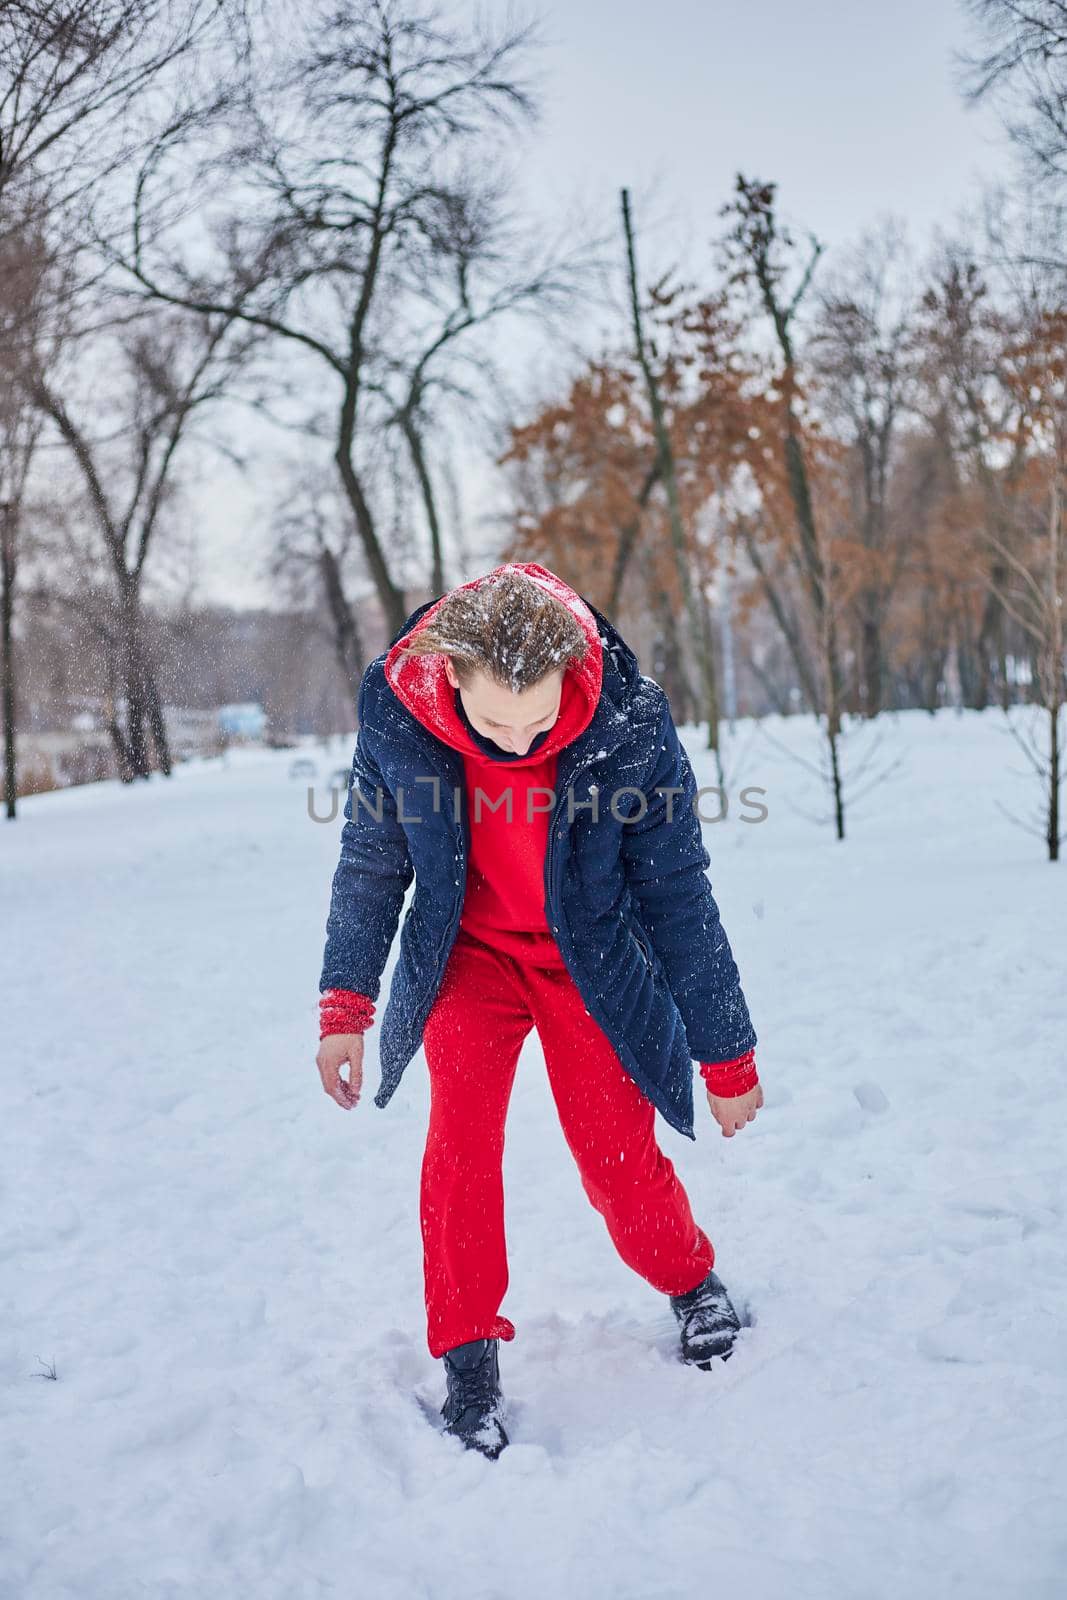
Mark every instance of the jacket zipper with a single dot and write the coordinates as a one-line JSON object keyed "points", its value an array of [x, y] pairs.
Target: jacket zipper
{"points": [[642, 946]]}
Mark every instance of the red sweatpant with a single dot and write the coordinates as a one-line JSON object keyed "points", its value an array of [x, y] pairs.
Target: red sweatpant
{"points": [[487, 1003]]}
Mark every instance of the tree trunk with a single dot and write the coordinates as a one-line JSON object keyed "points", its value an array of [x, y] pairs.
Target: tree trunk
{"points": [[933, 672], [777, 701], [158, 724], [788, 626], [871, 655], [665, 457], [124, 763], [393, 603], [628, 535], [991, 646], [429, 501], [1054, 780], [139, 686], [346, 636], [729, 657], [7, 636], [1054, 654], [675, 678], [712, 685], [973, 685]]}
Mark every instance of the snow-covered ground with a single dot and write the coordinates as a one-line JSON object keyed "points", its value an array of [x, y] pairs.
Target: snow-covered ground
{"points": [[225, 1268]]}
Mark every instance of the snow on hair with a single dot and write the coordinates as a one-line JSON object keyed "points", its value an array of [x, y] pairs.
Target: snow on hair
{"points": [[506, 626]]}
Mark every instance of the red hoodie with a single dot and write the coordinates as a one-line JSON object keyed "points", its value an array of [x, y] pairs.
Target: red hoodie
{"points": [[504, 896]]}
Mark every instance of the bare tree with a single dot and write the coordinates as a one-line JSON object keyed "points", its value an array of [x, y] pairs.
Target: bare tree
{"points": [[975, 419], [860, 351], [345, 167], [1024, 66], [1032, 565], [69, 71], [475, 269], [24, 267], [175, 367], [18, 440], [697, 633], [761, 254], [1034, 593], [312, 535], [769, 559]]}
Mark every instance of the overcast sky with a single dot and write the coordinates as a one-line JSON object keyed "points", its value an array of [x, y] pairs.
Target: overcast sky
{"points": [[852, 108]]}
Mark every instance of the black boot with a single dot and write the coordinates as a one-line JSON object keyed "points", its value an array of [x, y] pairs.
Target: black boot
{"points": [[708, 1322], [472, 1409]]}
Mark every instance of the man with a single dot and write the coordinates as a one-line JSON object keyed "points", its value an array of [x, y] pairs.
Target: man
{"points": [[515, 762]]}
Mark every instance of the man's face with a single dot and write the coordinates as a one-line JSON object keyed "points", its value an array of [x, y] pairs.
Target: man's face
{"points": [[512, 721]]}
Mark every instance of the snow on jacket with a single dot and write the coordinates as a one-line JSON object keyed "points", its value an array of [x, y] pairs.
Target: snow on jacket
{"points": [[626, 895]]}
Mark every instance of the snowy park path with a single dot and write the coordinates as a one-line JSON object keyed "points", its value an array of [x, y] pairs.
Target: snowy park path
{"points": [[225, 1268]]}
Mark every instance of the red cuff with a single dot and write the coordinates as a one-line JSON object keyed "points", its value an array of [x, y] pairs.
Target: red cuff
{"points": [[344, 1011], [728, 1079]]}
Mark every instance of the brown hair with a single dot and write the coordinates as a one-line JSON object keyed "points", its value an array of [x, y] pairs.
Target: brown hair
{"points": [[506, 626]]}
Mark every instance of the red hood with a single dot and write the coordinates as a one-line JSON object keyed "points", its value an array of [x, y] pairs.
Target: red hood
{"points": [[420, 681]]}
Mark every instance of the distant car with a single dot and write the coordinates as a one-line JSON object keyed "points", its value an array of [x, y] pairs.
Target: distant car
{"points": [[340, 779], [303, 767]]}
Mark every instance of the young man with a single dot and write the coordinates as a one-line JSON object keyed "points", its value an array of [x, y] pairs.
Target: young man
{"points": [[515, 762]]}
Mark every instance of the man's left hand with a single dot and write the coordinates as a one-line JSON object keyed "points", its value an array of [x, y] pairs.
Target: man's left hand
{"points": [[732, 1115]]}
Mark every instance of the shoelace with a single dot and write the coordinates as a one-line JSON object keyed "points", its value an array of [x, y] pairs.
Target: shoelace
{"points": [[472, 1388]]}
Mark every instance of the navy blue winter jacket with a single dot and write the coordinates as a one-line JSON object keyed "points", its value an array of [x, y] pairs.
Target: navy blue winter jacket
{"points": [[627, 897]]}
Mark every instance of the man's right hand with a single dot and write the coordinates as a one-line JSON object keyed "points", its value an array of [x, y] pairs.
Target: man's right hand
{"points": [[334, 1051]]}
